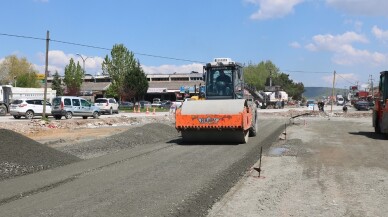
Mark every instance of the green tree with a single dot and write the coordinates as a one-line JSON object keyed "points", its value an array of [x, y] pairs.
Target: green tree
{"points": [[18, 69], [128, 79], [135, 83], [74, 75], [259, 76], [57, 84]]}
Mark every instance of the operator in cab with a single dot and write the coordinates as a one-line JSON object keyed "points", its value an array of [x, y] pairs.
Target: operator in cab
{"points": [[223, 82], [223, 78]]}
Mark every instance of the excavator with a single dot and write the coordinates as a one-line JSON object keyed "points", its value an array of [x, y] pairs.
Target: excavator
{"points": [[380, 111], [226, 115]]}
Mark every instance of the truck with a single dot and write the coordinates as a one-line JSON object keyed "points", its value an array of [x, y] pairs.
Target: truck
{"points": [[9, 93], [340, 100], [225, 114], [274, 98], [380, 110]]}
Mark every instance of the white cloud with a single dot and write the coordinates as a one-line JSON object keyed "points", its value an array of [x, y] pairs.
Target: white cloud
{"points": [[361, 7], [380, 34], [273, 8], [344, 52], [169, 69], [357, 25], [295, 44], [335, 42], [58, 60]]}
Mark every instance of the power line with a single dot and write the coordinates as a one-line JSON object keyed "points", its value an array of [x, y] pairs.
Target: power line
{"points": [[100, 48], [22, 36], [321, 72], [309, 72], [347, 80]]}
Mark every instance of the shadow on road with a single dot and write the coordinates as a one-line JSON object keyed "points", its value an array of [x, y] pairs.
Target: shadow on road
{"points": [[371, 135]]}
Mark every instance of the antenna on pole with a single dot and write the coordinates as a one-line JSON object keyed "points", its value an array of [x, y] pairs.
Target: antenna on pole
{"points": [[332, 94]]}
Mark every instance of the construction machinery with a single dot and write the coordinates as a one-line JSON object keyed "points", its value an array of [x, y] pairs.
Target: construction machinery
{"points": [[226, 114], [380, 111]]}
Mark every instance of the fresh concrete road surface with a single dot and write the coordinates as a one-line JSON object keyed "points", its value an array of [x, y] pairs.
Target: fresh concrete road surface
{"points": [[163, 179]]}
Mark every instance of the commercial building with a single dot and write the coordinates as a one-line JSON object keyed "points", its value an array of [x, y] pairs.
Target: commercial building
{"points": [[164, 86]]}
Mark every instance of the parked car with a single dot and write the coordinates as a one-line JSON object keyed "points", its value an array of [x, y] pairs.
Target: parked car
{"points": [[107, 105], [166, 104], [362, 105], [143, 104], [28, 108], [126, 105], [310, 103], [156, 102], [340, 101], [70, 106]]}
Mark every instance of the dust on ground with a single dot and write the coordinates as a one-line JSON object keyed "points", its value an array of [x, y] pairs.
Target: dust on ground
{"points": [[321, 166]]}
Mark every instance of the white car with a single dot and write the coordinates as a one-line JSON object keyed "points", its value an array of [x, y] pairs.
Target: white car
{"points": [[29, 108], [107, 105]]}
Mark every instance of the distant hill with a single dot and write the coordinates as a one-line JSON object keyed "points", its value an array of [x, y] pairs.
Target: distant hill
{"points": [[318, 92]]}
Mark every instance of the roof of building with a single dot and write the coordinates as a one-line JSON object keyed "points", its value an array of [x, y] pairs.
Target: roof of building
{"points": [[96, 86], [174, 85]]}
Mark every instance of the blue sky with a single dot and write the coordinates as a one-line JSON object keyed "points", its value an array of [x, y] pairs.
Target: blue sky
{"points": [[308, 39]]}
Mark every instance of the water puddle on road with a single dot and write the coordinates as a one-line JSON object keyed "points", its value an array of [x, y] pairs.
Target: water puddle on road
{"points": [[277, 151]]}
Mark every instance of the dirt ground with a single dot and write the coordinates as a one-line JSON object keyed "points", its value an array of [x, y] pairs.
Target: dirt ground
{"points": [[321, 166], [324, 164], [55, 133]]}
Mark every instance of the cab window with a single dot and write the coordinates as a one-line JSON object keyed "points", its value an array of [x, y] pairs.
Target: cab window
{"points": [[75, 102], [85, 103]]}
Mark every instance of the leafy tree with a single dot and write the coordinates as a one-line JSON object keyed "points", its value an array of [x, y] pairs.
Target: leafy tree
{"points": [[135, 83], [128, 79], [20, 70], [27, 80], [259, 77], [57, 84], [73, 78]]}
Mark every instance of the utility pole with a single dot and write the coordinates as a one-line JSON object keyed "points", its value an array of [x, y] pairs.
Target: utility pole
{"points": [[45, 76], [371, 86], [332, 93]]}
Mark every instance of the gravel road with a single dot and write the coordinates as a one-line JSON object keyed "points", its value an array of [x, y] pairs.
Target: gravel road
{"points": [[328, 164], [327, 167], [20, 155], [142, 171]]}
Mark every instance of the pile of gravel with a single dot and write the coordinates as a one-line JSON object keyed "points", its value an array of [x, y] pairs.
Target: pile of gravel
{"points": [[20, 155], [146, 134]]}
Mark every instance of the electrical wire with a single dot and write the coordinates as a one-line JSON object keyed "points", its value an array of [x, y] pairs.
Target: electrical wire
{"points": [[156, 56], [100, 48], [308, 72], [347, 80]]}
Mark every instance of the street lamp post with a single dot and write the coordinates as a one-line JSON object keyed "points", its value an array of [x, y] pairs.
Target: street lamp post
{"points": [[83, 59]]}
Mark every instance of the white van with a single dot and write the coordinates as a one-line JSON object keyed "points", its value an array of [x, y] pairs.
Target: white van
{"points": [[70, 106], [340, 101]]}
